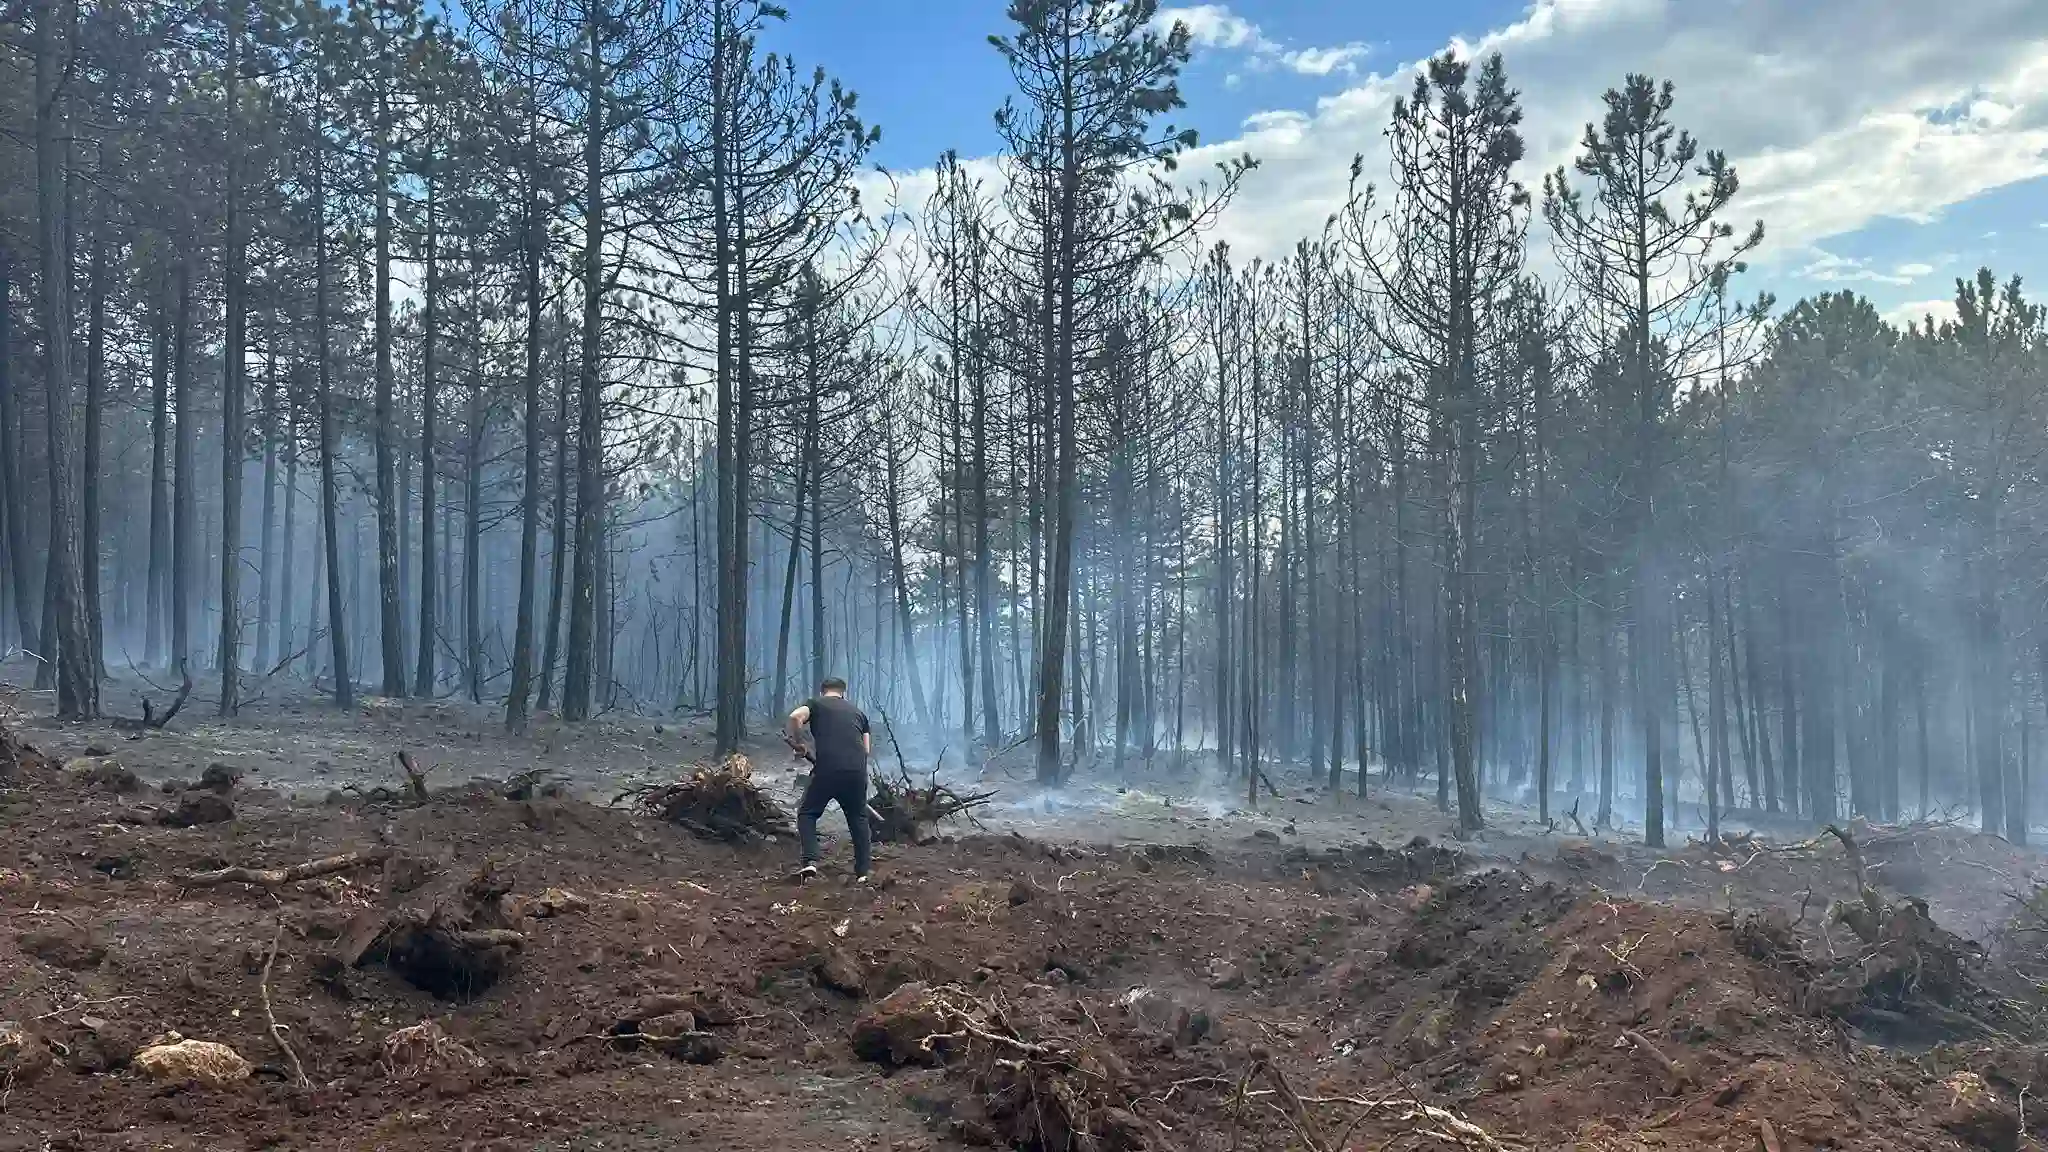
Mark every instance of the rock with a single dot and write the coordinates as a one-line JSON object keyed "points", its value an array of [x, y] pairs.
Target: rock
{"points": [[893, 1030], [713, 1007], [1121, 1131], [1022, 891], [1978, 1116], [23, 1055], [1074, 969], [1188, 1023], [219, 778], [676, 1036], [1267, 835], [840, 972], [405, 872], [202, 1061], [1225, 976], [555, 902], [659, 1004], [196, 808], [102, 1045], [105, 772], [1556, 1042], [64, 946]]}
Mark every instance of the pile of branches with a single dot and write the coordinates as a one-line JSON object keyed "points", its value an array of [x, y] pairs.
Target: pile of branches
{"points": [[1048, 1094], [904, 812], [1910, 977], [717, 802]]}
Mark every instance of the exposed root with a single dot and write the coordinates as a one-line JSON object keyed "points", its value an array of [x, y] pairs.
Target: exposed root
{"points": [[721, 803], [150, 721], [279, 877], [424, 1048], [276, 1029]]}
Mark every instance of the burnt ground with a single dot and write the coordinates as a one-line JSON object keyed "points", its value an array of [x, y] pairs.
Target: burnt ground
{"points": [[1228, 985]]}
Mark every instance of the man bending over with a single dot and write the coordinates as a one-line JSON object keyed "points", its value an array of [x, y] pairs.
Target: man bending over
{"points": [[838, 754]]}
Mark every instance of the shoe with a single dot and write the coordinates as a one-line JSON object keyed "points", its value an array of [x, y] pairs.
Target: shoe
{"points": [[806, 873], [863, 880]]}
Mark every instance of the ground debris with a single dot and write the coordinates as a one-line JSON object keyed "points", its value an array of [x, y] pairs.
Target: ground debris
{"points": [[1051, 1094], [905, 813], [425, 1048], [174, 1058], [720, 802]]}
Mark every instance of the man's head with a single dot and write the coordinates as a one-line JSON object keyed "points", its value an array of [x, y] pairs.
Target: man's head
{"points": [[833, 686]]}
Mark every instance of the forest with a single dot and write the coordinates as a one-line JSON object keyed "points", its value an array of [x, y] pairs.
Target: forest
{"points": [[566, 356]]}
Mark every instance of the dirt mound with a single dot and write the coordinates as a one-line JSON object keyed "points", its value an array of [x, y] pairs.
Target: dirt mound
{"points": [[665, 990]]}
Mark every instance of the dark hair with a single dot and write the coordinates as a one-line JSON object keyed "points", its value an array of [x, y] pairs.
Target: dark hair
{"points": [[833, 684]]}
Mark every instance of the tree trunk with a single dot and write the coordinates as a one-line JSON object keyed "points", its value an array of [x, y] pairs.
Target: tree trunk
{"points": [[77, 681], [95, 395], [266, 591], [472, 545], [576, 676], [430, 317], [559, 533], [337, 626], [391, 628], [185, 505], [529, 496], [14, 502]]}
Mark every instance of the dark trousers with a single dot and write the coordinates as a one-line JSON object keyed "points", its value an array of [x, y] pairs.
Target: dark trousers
{"points": [[850, 791]]}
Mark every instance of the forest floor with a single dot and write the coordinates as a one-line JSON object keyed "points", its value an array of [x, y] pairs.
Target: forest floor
{"points": [[1144, 968]]}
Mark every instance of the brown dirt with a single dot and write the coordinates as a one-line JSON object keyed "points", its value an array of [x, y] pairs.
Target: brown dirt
{"points": [[670, 989]]}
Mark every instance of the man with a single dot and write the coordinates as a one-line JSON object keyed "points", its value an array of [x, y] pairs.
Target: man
{"points": [[838, 752]]}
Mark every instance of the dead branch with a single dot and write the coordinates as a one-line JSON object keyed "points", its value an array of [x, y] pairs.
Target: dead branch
{"points": [[415, 779], [1576, 822], [1677, 1074], [1767, 1137], [276, 1029], [150, 721], [279, 877], [481, 938]]}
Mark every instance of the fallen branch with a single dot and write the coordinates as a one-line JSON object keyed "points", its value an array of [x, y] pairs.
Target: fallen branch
{"points": [[1576, 822], [1677, 1074], [276, 1029], [150, 721], [279, 877], [415, 780]]}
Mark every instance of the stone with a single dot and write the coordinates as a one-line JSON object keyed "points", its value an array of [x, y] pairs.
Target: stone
{"points": [[200, 1061], [840, 972], [893, 1030], [64, 946], [195, 808]]}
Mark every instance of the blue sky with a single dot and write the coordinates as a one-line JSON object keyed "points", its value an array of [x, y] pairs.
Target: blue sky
{"points": [[1885, 151]]}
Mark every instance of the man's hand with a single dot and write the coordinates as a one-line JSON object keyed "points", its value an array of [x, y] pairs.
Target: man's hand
{"points": [[797, 746]]}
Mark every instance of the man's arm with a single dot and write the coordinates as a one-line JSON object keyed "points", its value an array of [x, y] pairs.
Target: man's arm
{"points": [[793, 733]]}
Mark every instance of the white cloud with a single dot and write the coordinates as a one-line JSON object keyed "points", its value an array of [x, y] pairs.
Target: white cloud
{"points": [[1216, 26], [1825, 267], [1323, 61], [1919, 311], [1835, 112]]}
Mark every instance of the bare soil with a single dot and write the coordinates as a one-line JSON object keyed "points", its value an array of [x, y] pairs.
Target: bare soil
{"points": [[1182, 979]]}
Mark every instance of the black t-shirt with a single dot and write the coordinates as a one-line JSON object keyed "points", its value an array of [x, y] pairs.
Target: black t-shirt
{"points": [[837, 728]]}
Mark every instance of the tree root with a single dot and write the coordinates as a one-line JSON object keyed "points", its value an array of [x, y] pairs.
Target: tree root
{"points": [[279, 877]]}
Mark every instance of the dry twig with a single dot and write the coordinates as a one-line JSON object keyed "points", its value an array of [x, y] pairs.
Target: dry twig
{"points": [[279, 877], [276, 1029]]}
